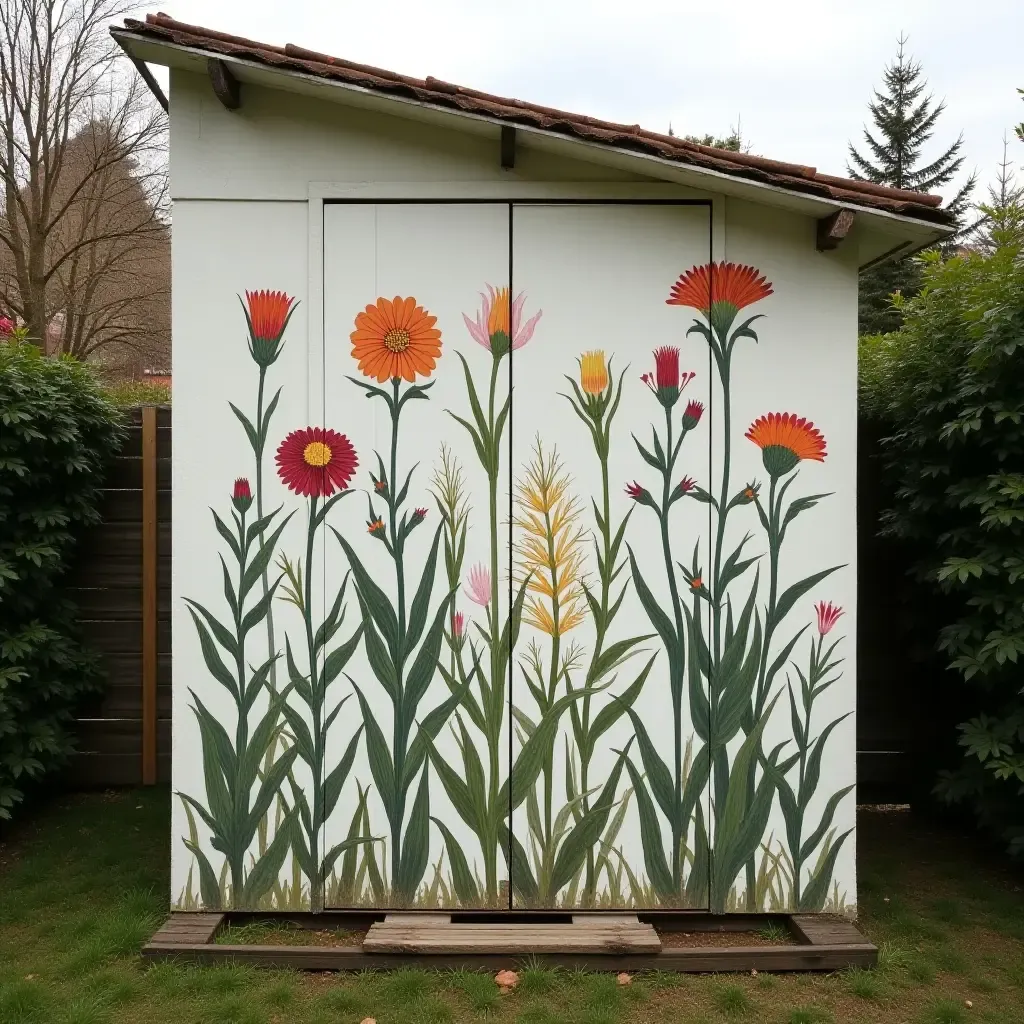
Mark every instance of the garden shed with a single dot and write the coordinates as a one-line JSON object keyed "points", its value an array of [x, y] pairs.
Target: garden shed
{"points": [[514, 479]]}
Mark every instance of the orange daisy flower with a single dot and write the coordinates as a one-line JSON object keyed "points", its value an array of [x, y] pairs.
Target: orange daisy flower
{"points": [[786, 440], [396, 338]]}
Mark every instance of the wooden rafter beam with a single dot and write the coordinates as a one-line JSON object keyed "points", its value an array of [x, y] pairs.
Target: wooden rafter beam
{"points": [[508, 147], [832, 230], [225, 86], [154, 85]]}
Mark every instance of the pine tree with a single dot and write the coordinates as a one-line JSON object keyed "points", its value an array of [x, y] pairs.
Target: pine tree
{"points": [[904, 118], [1005, 199]]}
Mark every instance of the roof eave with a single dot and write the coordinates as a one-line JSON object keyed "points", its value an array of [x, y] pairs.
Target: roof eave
{"points": [[911, 232]]}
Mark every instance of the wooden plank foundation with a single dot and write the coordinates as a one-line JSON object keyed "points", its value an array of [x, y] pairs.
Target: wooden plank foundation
{"points": [[432, 941]]}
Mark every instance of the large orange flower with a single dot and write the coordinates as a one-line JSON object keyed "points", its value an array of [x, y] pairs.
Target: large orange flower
{"points": [[703, 287], [786, 440], [396, 338]]}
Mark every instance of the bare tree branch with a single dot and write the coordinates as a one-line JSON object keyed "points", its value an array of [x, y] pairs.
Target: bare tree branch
{"points": [[84, 239]]}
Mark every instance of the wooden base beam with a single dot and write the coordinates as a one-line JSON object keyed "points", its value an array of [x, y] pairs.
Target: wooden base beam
{"points": [[180, 938]]}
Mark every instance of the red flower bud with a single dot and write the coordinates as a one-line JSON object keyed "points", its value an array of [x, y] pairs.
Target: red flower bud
{"points": [[241, 497]]}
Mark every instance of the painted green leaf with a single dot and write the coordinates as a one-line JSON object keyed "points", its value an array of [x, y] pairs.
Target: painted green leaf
{"points": [[811, 843], [332, 623], [217, 668], [793, 594], [349, 861], [340, 656], [269, 788], [696, 782], [536, 751], [259, 565], [431, 725], [336, 851], [267, 869], [425, 664], [816, 892], [209, 888], [655, 863], [416, 842], [698, 881], [381, 766], [730, 846], [337, 776], [458, 791], [584, 835], [700, 709], [520, 874], [814, 761], [258, 612], [462, 877], [613, 656], [250, 430], [380, 660], [218, 766], [660, 621], [616, 708], [373, 599], [229, 537], [421, 602], [267, 730], [790, 814], [736, 689], [659, 777]]}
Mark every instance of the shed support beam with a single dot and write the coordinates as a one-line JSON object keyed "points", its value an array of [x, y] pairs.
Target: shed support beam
{"points": [[832, 230], [225, 85], [508, 147]]}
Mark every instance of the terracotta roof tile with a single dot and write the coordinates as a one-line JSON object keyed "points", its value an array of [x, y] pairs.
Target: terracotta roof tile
{"points": [[793, 177]]}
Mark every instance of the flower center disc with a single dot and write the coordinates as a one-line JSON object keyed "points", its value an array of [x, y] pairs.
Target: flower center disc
{"points": [[397, 339], [316, 453]]}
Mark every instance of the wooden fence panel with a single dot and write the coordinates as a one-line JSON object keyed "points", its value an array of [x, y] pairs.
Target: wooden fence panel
{"points": [[109, 585]]}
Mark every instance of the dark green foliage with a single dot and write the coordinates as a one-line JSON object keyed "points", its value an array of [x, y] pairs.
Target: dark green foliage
{"points": [[57, 433], [904, 119], [948, 390]]}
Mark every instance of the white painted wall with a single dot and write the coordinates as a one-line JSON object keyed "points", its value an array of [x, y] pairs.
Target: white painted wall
{"points": [[240, 182]]}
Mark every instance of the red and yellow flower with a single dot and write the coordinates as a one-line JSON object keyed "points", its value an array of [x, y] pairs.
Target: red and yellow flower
{"points": [[396, 339], [719, 291], [267, 314], [786, 440], [316, 461], [593, 373]]}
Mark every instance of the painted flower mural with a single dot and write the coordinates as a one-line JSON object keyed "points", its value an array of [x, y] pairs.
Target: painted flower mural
{"points": [[571, 598], [395, 339]]}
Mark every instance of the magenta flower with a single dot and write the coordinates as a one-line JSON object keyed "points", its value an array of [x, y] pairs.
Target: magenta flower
{"points": [[241, 496], [458, 625], [497, 327], [478, 588], [828, 615], [6, 326]]}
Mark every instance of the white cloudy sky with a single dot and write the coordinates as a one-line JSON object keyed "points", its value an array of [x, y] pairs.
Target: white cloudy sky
{"points": [[798, 74]]}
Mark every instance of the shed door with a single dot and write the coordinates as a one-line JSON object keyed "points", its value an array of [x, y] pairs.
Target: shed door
{"points": [[618, 812], [426, 536], [473, 762]]}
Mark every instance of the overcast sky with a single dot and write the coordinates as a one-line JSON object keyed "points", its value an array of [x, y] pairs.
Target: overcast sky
{"points": [[797, 75]]}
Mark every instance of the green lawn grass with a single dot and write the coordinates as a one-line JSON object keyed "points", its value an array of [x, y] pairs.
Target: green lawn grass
{"points": [[85, 883]]}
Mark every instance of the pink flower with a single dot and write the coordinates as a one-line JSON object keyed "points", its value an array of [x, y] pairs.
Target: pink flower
{"points": [[478, 587], [420, 514], [687, 484], [6, 326], [497, 327], [828, 615], [458, 625], [635, 490]]}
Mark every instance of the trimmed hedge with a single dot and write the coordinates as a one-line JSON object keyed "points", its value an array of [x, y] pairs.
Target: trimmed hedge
{"points": [[57, 434]]}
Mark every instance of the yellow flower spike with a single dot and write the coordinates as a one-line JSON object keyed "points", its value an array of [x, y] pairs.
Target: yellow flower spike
{"points": [[593, 373]]}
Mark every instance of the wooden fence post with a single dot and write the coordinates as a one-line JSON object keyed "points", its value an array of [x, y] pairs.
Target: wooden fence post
{"points": [[149, 595]]}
